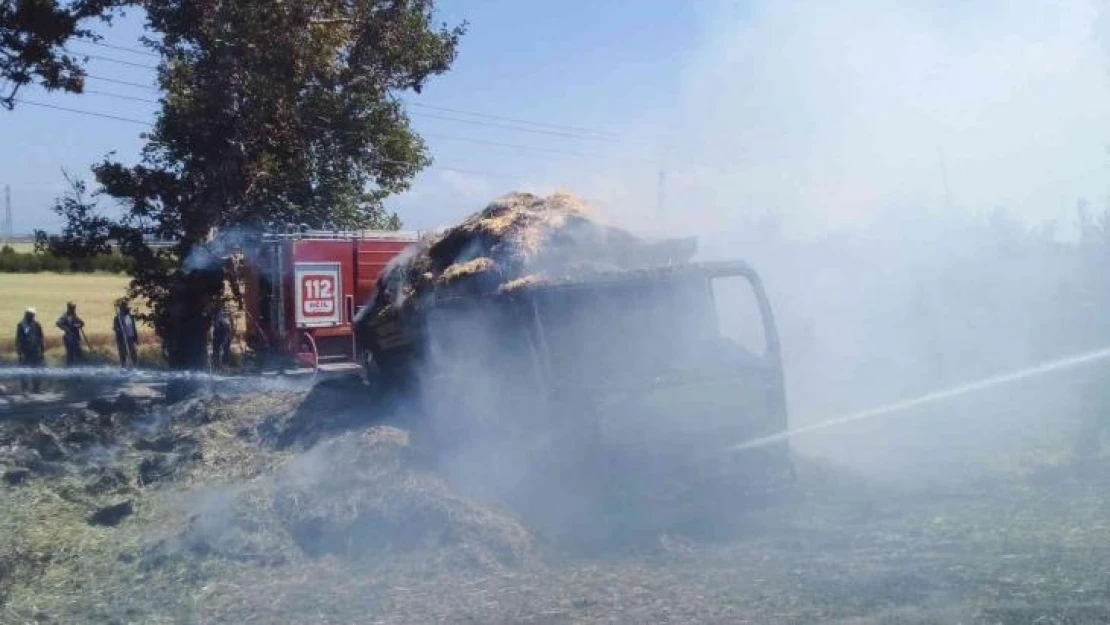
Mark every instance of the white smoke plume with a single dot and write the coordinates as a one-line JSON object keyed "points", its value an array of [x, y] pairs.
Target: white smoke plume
{"points": [[832, 115], [906, 177]]}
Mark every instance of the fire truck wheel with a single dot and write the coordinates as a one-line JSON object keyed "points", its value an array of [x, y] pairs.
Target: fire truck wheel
{"points": [[308, 346]]}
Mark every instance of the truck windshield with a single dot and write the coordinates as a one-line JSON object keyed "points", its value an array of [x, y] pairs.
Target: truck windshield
{"points": [[638, 329]]}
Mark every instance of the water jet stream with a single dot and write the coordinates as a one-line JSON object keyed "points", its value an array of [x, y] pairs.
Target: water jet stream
{"points": [[101, 375], [929, 398], [112, 373]]}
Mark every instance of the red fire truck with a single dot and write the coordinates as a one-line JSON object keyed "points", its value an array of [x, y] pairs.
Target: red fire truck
{"points": [[302, 291]]}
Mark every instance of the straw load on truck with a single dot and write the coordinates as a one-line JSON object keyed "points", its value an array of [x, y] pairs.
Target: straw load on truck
{"points": [[519, 239]]}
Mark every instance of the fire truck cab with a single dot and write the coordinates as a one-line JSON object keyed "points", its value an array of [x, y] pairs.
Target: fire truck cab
{"points": [[303, 289]]}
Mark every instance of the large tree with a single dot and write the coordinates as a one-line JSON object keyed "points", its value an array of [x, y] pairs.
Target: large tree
{"points": [[273, 112], [33, 35]]}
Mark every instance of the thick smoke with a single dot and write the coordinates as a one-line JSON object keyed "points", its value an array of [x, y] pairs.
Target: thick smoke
{"points": [[901, 309], [222, 244], [831, 116], [906, 181], [908, 178], [578, 373], [905, 305]]}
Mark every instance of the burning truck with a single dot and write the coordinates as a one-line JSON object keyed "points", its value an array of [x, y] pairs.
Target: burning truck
{"points": [[532, 317]]}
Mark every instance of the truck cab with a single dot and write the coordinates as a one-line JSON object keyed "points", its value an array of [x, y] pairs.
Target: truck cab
{"points": [[677, 360]]}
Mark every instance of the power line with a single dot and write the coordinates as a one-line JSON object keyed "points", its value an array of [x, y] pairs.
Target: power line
{"points": [[474, 122], [431, 135], [108, 59], [136, 121], [122, 82], [120, 96], [119, 48], [81, 112], [458, 170], [432, 107], [528, 148], [572, 134], [514, 146]]}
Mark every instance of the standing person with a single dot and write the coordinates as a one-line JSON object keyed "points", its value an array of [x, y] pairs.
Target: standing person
{"points": [[31, 347], [71, 326], [222, 331], [127, 336]]}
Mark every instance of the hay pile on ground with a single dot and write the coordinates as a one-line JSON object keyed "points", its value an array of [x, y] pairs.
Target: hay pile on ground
{"points": [[518, 239], [370, 495], [130, 510], [216, 540]]}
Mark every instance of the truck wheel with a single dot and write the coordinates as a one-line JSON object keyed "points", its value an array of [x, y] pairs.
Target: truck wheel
{"points": [[308, 344]]}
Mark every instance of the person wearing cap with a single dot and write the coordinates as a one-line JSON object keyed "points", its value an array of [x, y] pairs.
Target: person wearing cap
{"points": [[31, 347], [71, 326], [127, 336]]}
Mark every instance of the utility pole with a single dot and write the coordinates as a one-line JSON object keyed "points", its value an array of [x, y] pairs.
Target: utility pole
{"points": [[662, 192], [7, 226]]}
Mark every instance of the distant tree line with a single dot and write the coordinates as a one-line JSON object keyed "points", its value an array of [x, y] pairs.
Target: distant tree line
{"points": [[12, 261]]}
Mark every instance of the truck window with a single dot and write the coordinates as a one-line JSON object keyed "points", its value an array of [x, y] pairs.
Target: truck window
{"points": [[625, 330], [738, 313]]}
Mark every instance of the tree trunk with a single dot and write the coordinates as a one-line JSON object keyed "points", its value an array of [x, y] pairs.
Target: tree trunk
{"points": [[185, 333]]}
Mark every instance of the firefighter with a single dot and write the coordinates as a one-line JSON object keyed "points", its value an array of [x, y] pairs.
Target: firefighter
{"points": [[222, 330], [31, 347], [127, 336], [72, 328]]}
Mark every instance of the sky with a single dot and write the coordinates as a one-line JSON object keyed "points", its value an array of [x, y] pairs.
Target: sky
{"points": [[700, 116]]}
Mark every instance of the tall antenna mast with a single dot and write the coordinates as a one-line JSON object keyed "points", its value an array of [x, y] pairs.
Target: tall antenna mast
{"points": [[7, 230]]}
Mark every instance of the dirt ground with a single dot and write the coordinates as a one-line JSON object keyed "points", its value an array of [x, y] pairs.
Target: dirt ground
{"points": [[283, 506]]}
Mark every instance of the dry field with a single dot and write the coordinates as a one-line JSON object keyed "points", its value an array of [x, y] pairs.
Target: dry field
{"points": [[233, 521], [95, 295]]}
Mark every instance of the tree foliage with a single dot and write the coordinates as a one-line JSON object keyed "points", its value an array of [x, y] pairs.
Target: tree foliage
{"points": [[33, 35], [273, 113], [85, 243], [86, 233]]}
